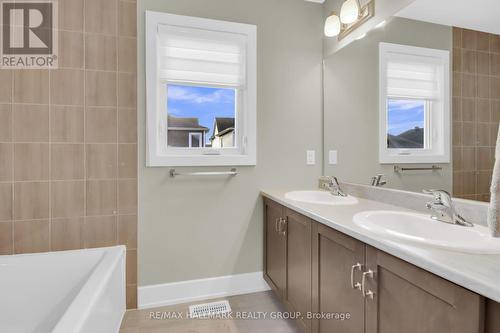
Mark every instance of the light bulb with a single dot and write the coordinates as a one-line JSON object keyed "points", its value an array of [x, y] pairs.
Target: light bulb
{"points": [[349, 12], [332, 25]]}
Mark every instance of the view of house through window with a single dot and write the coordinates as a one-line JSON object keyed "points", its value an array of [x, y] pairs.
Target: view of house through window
{"points": [[201, 117], [406, 121]]}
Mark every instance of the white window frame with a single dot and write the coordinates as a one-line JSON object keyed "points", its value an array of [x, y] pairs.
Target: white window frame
{"points": [[200, 139], [438, 115], [158, 154]]}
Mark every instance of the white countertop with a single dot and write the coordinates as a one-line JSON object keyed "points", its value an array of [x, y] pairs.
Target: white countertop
{"points": [[479, 273]]}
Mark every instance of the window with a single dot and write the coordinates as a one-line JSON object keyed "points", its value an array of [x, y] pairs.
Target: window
{"points": [[201, 91], [414, 105]]}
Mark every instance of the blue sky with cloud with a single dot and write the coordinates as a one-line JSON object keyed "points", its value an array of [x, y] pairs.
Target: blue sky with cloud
{"points": [[404, 115], [203, 103]]}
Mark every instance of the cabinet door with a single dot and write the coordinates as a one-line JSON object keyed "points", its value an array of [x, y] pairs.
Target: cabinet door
{"points": [[411, 300], [298, 265], [334, 255], [275, 250]]}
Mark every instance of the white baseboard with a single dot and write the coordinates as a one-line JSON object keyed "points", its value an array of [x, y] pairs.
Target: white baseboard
{"points": [[194, 290]]}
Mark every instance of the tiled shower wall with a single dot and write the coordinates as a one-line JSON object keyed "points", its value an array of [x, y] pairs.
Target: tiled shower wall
{"points": [[68, 140], [476, 111]]}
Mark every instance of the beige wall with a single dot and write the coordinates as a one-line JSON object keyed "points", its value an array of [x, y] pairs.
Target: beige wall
{"points": [[198, 228], [476, 114], [351, 97], [68, 175]]}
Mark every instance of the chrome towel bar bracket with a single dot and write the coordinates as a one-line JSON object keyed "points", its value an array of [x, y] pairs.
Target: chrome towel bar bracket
{"points": [[231, 172]]}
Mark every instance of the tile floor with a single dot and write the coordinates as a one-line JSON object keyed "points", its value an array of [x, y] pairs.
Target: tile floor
{"points": [[140, 321]]}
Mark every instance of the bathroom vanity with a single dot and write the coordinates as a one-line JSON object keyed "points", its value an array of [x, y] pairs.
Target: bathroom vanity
{"points": [[317, 261]]}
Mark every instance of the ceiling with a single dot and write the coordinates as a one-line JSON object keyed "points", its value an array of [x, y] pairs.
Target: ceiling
{"points": [[481, 15]]}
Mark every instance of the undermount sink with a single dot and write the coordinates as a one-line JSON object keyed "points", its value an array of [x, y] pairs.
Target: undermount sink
{"points": [[420, 228], [320, 198]]}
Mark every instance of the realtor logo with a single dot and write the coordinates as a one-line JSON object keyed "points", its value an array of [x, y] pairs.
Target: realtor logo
{"points": [[29, 34]]}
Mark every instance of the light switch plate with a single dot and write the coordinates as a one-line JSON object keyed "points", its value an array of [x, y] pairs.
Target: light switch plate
{"points": [[311, 157], [332, 157]]}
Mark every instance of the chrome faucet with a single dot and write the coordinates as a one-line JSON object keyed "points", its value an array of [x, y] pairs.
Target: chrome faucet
{"points": [[333, 186], [444, 209], [377, 180]]}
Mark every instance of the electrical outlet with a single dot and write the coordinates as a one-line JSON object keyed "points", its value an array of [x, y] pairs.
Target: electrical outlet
{"points": [[311, 157], [332, 157]]}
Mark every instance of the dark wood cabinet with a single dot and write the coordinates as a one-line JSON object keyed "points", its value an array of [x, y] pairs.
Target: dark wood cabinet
{"points": [[411, 300], [287, 258], [335, 256], [351, 287], [297, 230], [274, 248]]}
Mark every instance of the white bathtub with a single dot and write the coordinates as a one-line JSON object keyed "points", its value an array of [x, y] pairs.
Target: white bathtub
{"points": [[80, 291]]}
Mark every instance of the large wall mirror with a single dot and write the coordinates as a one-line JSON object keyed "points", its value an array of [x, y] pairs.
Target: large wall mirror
{"points": [[417, 99]]}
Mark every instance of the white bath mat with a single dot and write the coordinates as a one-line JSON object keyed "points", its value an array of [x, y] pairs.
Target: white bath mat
{"points": [[209, 309]]}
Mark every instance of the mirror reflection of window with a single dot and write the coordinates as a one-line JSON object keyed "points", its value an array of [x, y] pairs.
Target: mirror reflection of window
{"points": [[406, 123]]}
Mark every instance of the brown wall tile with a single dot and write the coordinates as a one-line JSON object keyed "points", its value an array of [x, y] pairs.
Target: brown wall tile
{"points": [[68, 199], [31, 86], [31, 123], [127, 125], [31, 161], [131, 274], [100, 52], [6, 84], [101, 197], [101, 161], [71, 15], [6, 201], [127, 19], [127, 90], [5, 122], [31, 200], [477, 114], [469, 61], [67, 161], [67, 87], [100, 231], [64, 144], [6, 239], [101, 16], [31, 236], [127, 231], [66, 234], [101, 88], [71, 48], [101, 125], [468, 39], [127, 196], [6, 162], [127, 59], [66, 124], [127, 161]]}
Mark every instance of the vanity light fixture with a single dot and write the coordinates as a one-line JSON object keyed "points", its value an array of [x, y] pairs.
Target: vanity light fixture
{"points": [[349, 12], [332, 25], [352, 16]]}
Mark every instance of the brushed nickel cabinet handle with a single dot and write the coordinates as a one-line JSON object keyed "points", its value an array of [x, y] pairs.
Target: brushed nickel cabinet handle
{"points": [[356, 285], [370, 294], [285, 222], [276, 226]]}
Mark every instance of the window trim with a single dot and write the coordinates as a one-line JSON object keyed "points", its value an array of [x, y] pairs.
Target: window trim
{"points": [[439, 131], [157, 153], [200, 139]]}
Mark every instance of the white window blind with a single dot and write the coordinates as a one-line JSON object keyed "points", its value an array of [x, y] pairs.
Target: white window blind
{"points": [[414, 77], [191, 55]]}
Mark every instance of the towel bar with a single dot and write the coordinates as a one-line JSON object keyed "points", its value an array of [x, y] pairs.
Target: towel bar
{"points": [[398, 168], [231, 172]]}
